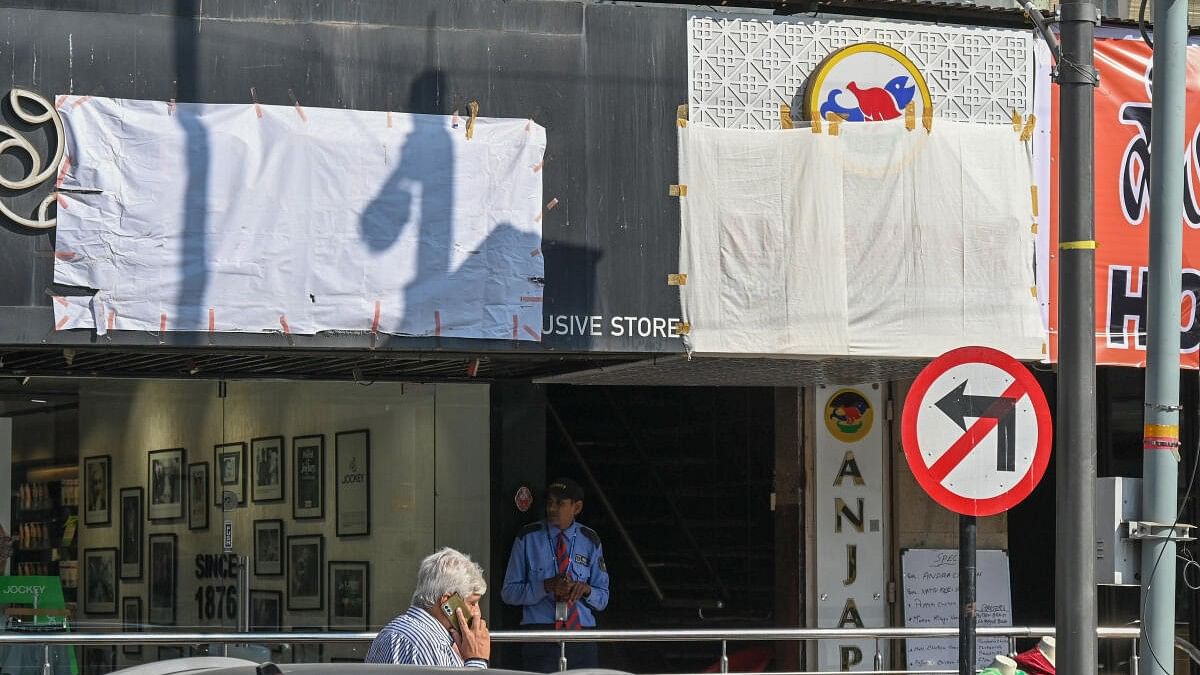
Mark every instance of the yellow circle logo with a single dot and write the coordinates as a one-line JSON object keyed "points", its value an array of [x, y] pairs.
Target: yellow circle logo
{"points": [[848, 415], [867, 82]]}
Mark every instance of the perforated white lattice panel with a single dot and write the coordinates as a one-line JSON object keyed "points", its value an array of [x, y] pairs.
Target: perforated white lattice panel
{"points": [[740, 69]]}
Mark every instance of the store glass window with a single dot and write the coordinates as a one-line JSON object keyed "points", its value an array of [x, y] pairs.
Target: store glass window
{"points": [[217, 506]]}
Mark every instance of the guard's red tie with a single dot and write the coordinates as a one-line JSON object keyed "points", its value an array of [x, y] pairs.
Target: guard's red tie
{"points": [[564, 563]]}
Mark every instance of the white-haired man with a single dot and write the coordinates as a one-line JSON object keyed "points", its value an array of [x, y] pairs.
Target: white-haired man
{"points": [[424, 635]]}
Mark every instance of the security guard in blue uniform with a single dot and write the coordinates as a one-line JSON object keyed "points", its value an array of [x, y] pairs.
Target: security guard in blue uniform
{"points": [[556, 574]]}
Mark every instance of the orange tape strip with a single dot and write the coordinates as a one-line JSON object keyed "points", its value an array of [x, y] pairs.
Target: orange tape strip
{"points": [[59, 101], [62, 301], [62, 175], [162, 323], [389, 119], [473, 107], [1160, 431], [538, 167], [375, 320], [257, 108], [296, 105], [532, 333], [62, 322], [64, 255], [437, 323], [112, 318], [516, 326], [531, 298], [62, 172], [212, 320], [535, 252], [283, 322], [81, 101], [171, 106]]}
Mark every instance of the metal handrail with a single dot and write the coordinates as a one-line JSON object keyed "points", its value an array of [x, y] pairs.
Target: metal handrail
{"points": [[550, 636], [561, 638]]}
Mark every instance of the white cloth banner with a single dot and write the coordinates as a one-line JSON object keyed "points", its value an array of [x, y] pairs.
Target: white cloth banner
{"points": [[877, 242], [247, 218]]}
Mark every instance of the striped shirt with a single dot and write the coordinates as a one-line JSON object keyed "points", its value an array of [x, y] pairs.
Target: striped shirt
{"points": [[416, 638]]}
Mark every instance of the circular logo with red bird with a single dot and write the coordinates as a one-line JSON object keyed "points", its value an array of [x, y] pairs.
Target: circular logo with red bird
{"points": [[867, 82], [848, 415]]}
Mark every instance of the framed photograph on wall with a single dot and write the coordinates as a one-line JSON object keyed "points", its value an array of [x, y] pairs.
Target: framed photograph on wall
{"points": [[97, 476], [268, 548], [231, 471], [131, 622], [308, 477], [100, 581], [132, 501], [305, 567], [353, 480], [266, 611], [198, 496], [349, 593], [266, 461], [163, 574], [164, 470]]}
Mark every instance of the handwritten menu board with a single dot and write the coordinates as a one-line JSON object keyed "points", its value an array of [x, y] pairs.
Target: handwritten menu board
{"points": [[931, 600]]}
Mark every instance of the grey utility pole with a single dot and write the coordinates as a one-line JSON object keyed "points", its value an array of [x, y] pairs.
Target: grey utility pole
{"points": [[1160, 444], [1075, 464]]}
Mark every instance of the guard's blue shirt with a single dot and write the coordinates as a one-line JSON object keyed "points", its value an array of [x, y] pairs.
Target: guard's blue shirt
{"points": [[533, 561]]}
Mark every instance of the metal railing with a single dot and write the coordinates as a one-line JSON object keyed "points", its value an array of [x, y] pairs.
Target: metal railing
{"points": [[723, 637]]}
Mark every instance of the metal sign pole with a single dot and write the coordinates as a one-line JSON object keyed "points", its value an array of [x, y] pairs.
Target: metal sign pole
{"points": [[966, 594], [1075, 464], [1160, 442]]}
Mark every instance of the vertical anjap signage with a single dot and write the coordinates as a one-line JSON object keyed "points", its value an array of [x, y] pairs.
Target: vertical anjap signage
{"points": [[848, 481], [1122, 170]]}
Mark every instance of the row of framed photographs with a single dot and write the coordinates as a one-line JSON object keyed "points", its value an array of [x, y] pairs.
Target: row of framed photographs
{"points": [[347, 585], [100, 579], [168, 483]]}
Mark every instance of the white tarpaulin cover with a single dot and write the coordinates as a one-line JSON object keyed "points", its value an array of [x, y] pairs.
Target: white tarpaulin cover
{"points": [[879, 241], [246, 218]]}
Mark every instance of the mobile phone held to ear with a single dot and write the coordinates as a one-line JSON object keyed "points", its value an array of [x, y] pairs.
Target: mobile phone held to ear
{"points": [[456, 602]]}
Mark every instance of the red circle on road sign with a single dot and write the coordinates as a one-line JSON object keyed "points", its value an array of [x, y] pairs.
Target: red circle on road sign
{"points": [[933, 485]]}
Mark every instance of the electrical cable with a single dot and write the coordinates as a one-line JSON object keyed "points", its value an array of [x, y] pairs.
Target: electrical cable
{"points": [[1153, 570], [1189, 563], [1039, 25]]}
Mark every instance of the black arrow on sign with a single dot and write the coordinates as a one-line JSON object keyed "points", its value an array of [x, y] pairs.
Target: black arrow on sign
{"points": [[958, 406]]}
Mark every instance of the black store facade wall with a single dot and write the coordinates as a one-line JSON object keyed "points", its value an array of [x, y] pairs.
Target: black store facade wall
{"points": [[577, 69]]}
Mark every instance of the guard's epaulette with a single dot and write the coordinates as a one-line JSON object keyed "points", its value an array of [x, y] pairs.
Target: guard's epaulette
{"points": [[529, 529], [590, 534]]}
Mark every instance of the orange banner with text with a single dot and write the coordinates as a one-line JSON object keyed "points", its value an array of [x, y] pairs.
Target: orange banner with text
{"points": [[1122, 207]]}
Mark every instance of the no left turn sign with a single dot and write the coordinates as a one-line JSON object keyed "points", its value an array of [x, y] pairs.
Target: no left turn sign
{"points": [[976, 431]]}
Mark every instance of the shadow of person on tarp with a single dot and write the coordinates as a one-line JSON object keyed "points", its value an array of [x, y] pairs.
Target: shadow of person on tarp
{"points": [[194, 273], [461, 297]]}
